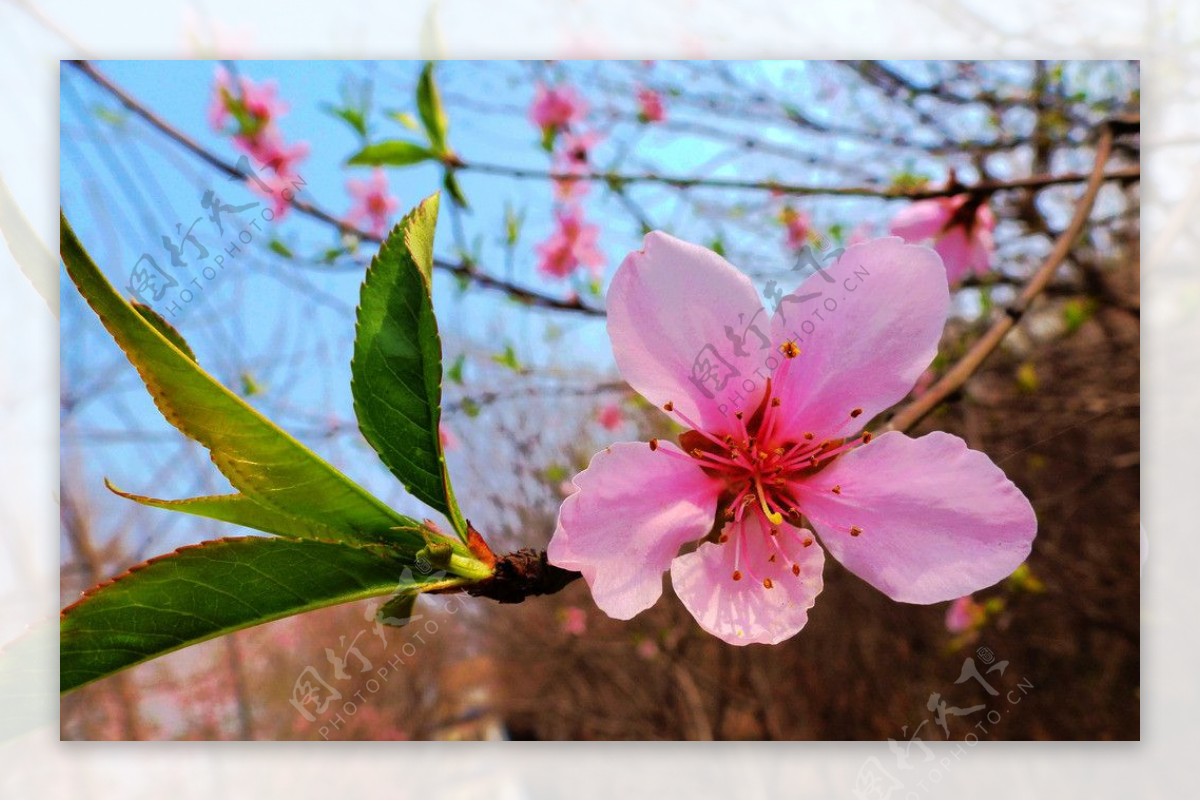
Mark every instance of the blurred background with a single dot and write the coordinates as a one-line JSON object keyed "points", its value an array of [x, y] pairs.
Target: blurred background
{"points": [[531, 390]]}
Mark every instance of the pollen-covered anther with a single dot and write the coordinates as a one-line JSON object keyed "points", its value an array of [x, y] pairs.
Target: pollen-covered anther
{"points": [[855, 531], [767, 583], [836, 489], [790, 349], [795, 570], [776, 402], [669, 406], [856, 413], [653, 444], [737, 575], [808, 541], [809, 435], [695, 453], [867, 437], [739, 415]]}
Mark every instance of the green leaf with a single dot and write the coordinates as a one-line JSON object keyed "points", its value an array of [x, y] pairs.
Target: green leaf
{"points": [[260, 460], [450, 182], [392, 153], [404, 118], [239, 510], [429, 107], [455, 373], [353, 117], [279, 247], [396, 373], [166, 329], [508, 359], [206, 590]]}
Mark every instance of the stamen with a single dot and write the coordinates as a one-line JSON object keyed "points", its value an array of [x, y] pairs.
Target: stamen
{"points": [[866, 437], [855, 531], [837, 489], [807, 541], [856, 413], [790, 349], [795, 570], [737, 575], [669, 406], [767, 583], [653, 444]]}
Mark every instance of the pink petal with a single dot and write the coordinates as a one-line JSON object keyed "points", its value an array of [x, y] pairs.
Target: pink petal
{"points": [[922, 220], [668, 310], [864, 340], [744, 610], [634, 509], [936, 520], [955, 250]]}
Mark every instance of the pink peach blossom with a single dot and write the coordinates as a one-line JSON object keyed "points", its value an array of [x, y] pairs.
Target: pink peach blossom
{"points": [[572, 245], [278, 189], [650, 106], [259, 102], [572, 159], [372, 202], [774, 406], [610, 417], [964, 614], [962, 237], [556, 108], [269, 149], [574, 621], [798, 226]]}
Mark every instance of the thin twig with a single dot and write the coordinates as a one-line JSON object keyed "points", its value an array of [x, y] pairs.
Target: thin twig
{"points": [[467, 271], [954, 379]]}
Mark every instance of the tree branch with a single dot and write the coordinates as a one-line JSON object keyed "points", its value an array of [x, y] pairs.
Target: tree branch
{"points": [[954, 379]]}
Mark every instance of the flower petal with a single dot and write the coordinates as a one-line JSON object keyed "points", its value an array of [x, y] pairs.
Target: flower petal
{"points": [[769, 602], [672, 310], [634, 509], [935, 520], [867, 328], [922, 220]]}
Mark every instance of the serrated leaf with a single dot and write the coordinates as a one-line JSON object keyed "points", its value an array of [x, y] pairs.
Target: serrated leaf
{"points": [[206, 590], [166, 329], [239, 510], [429, 107], [396, 372], [260, 460], [391, 153]]}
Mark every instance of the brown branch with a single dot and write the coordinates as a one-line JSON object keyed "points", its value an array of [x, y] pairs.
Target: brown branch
{"points": [[980, 188], [468, 271], [954, 379]]}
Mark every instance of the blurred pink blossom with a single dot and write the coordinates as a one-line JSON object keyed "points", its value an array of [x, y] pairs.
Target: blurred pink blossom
{"points": [[964, 614], [798, 226], [372, 202], [446, 436], [572, 245], [556, 108], [574, 621], [960, 231], [650, 106], [610, 416]]}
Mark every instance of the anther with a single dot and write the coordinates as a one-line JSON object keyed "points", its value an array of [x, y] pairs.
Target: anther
{"points": [[808, 541], [808, 435], [737, 575], [695, 452], [867, 436], [790, 349], [774, 533], [669, 406], [795, 570], [776, 401], [855, 531], [772, 559], [856, 413], [738, 415], [724, 537], [653, 444], [767, 583]]}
